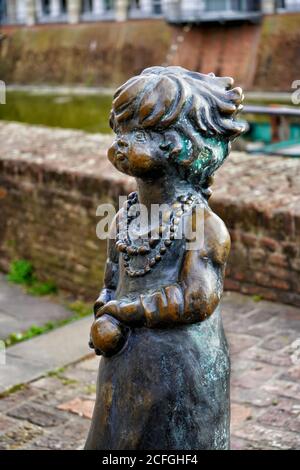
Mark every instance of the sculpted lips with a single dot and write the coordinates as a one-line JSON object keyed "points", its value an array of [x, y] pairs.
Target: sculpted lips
{"points": [[120, 156]]}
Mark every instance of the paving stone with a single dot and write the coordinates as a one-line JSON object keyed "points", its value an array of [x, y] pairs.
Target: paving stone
{"points": [[277, 417], [47, 383], [63, 394], [265, 390], [243, 444], [238, 444], [254, 397], [79, 406], [239, 342], [90, 364], [257, 320], [6, 423], [34, 311], [237, 304], [291, 374], [261, 330], [12, 400], [262, 314], [19, 437], [277, 438], [240, 364], [255, 377], [18, 370], [239, 414], [287, 404], [37, 414], [276, 358], [283, 388], [30, 360], [52, 442], [81, 375], [64, 438], [276, 342], [288, 320], [8, 325]]}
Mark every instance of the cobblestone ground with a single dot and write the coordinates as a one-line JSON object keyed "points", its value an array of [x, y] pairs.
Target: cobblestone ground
{"points": [[54, 412]]}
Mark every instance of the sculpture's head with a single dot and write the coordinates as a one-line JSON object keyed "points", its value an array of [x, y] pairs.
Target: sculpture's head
{"points": [[169, 119]]}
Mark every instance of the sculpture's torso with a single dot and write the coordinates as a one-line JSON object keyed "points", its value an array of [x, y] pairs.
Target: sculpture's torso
{"points": [[170, 266], [167, 389]]}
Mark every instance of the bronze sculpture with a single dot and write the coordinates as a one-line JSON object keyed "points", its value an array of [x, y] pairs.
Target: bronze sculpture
{"points": [[164, 377]]}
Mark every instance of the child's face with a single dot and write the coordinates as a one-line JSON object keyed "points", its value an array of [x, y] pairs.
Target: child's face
{"points": [[137, 152]]}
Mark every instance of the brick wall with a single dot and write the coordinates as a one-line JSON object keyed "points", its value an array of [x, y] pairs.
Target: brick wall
{"points": [[51, 182], [49, 218], [222, 49], [264, 259]]}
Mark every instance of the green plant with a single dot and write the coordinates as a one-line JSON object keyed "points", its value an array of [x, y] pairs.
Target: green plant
{"points": [[21, 272], [90, 389], [14, 389], [81, 308], [31, 332], [58, 373], [42, 288]]}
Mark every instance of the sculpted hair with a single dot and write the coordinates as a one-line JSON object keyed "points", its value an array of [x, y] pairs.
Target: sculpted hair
{"points": [[201, 108]]}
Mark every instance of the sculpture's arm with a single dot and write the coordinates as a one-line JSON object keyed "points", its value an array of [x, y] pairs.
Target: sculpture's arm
{"points": [[111, 272], [196, 294]]}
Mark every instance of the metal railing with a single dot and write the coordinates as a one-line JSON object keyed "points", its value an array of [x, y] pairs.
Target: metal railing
{"points": [[284, 6], [212, 10]]}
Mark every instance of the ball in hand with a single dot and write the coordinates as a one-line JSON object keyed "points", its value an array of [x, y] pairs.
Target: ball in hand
{"points": [[108, 335]]}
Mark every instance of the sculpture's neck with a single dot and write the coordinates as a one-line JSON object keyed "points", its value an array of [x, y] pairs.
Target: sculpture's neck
{"points": [[162, 190]]}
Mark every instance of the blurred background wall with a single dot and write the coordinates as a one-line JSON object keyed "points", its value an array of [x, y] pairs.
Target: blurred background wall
{"points": [[103, 42]]}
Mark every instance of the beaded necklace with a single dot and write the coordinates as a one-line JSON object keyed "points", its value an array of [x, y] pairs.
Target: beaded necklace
{"points": [[156, 247]]}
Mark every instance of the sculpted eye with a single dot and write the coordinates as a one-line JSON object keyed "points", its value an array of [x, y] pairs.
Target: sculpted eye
{"points": [[140, 136]]}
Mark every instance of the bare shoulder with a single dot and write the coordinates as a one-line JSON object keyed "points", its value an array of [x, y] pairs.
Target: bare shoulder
{"points": [[213, 236], [216, 237]]}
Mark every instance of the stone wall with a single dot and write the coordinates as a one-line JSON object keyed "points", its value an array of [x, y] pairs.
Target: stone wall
{"points": [[51, 182], [278, 54], [105, 53], [264, 56]]}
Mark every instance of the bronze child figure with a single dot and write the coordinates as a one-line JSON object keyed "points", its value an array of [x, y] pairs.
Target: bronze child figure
{"points": [[164, 376]]}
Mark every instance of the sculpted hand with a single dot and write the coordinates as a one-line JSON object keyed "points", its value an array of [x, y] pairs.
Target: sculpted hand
{"points": [[109, 330], [110, 308], [127, 311], [104, 297], [108, 335]]}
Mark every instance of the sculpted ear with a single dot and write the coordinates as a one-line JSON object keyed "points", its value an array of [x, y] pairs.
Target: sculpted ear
{"points": [[166, 147], [172, 144]]}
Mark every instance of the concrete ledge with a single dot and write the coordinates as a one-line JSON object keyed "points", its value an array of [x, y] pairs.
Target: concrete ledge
{"points": [[31, 359], [52, 180]]}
